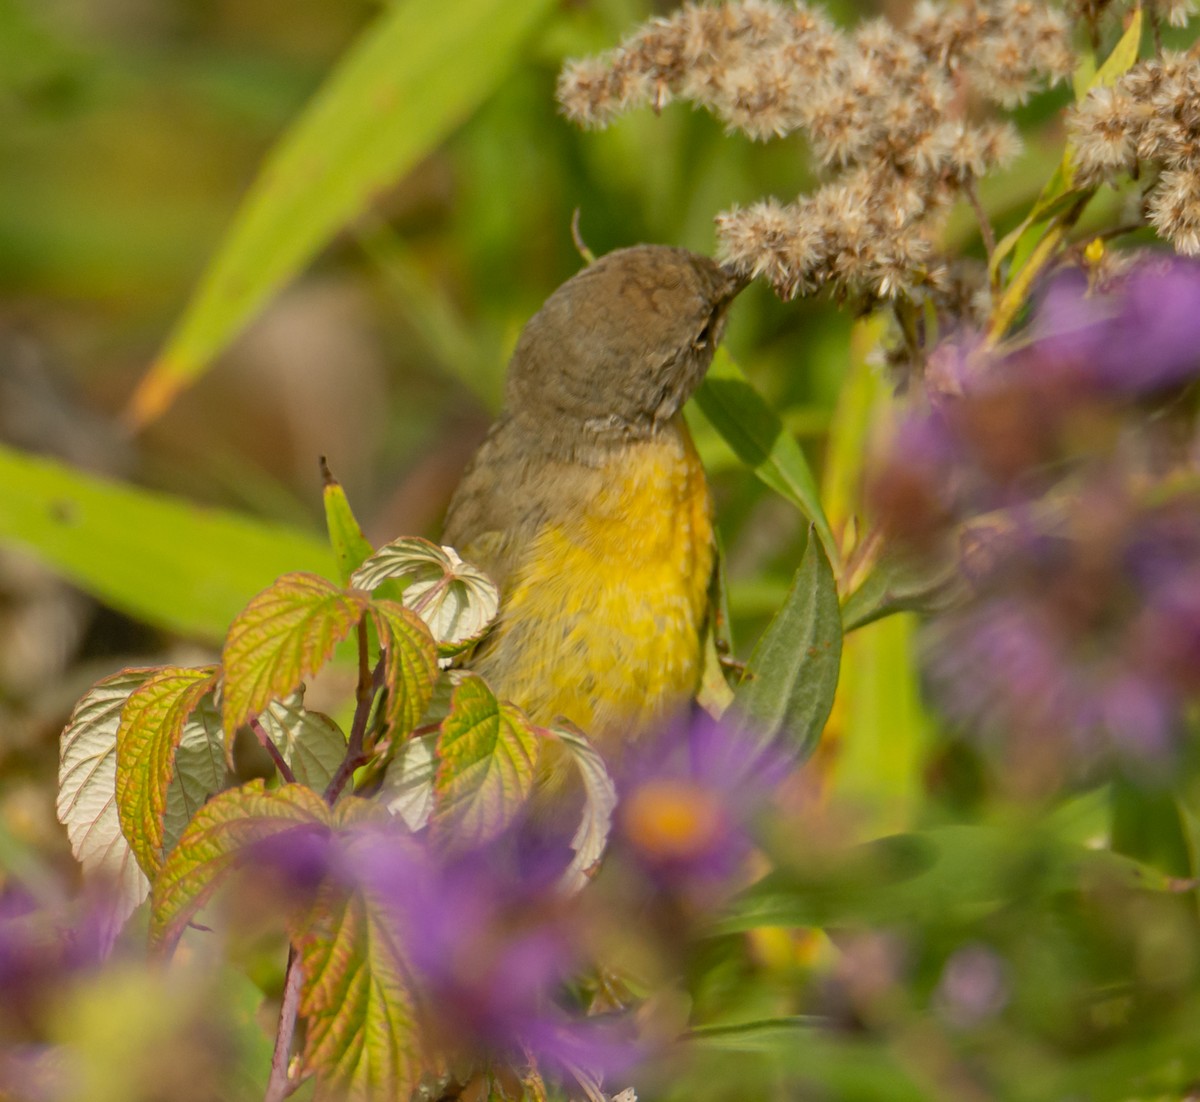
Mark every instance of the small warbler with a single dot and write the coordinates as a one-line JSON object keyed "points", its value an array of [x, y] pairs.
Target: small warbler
{"points": [[587, 503]]}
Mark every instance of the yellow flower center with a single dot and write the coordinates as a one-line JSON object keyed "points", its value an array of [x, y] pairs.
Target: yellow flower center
{"points": [[672, 819]]}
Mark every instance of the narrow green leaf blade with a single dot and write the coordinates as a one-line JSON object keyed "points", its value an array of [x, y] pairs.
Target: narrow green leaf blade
{"points": [[792, 675], [758, 437], [215, 840], [414, 76], [283, 635], [152, 723], [350, 546], [159, 559], [487, 758]]}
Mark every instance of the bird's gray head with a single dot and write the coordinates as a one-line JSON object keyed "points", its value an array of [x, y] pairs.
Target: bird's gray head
{"points": [[617, 349]]}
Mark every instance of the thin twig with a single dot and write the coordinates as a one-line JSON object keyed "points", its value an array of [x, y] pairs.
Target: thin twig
{"points": [[985, 227], [369, 684], [268, 744], [280, 1085], [577, 237]]}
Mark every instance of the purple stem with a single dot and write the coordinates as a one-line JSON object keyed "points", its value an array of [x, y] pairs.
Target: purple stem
{"points": [[268, 744], [280, 1085], [369, 684]]}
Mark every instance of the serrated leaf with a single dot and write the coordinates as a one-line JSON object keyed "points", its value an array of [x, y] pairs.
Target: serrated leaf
{"points": [[87, 773], [756, 434], [161, 559], [457, 600], [600, 801], [151, 727], [407, 789], [413, 76], [792, 675], [200, 770], [283, 635], [411, 667], [487, 755], [310, 742], [214, 842], [362, 1034], [350, 546]]}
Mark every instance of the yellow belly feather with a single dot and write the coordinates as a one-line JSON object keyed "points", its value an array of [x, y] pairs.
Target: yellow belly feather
{"points": [[601, 622]]}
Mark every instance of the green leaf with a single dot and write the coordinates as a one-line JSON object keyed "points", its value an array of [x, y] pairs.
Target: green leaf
{"points": [[792, 675], [159, 559], [600, 801], [414, 76], [151, 727], [457, 600], [310, 742], [752, 429], [487, 755], [407, 789], [411, 667], [350, 546], [87, 774], [362, 1031], [201, 770], [898, 584], [216, 839], [286, 633]]}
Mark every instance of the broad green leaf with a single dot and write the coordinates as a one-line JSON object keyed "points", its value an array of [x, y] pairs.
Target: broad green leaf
{"points": [[283, 635], [407, 789], [350, 546], [457, 600], [87, 776], [362, 1034], [412, 665], [417, 73], [159, 559], [201, 770], [600, 801], [310, 742], [752, 429], [151, 727], [790, 681], [487, 755], [214, 842]]}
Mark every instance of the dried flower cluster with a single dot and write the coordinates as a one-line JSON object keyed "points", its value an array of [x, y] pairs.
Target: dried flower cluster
{"points": [[884, 109], [1077, 522], [1151, 118]]}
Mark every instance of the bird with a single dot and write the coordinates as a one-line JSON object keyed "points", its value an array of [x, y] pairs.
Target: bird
{"points": [[587, 503]]}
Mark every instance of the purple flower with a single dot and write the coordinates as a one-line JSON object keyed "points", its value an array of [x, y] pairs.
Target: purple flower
{"points": [[687, 804]]}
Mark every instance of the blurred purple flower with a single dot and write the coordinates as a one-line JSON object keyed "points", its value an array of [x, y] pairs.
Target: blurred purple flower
{"points": [[688, 801], [491, 942], [1044, 469]]}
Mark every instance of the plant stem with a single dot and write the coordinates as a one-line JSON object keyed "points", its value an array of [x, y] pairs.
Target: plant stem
{"points": [[369, 684], [985, 227], [268, 744], [280, 1085]]}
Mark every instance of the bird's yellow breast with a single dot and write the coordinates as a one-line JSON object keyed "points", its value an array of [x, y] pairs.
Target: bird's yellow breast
{"points": [[602, 618]]}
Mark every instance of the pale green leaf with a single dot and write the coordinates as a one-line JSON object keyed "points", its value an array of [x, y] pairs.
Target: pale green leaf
{"points": [[157, 558], [487, 755], [310, 742], [600, 801], [457, 600], [753, 430], [87, 775], [407, 789], [411, 667], [152, 722], [200, 770], [283, 635], [790, 681], [214, 842], [417, 73]]}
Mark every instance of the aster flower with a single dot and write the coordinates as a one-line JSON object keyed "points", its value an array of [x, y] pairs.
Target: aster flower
{"points": [[1076, 533]]}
